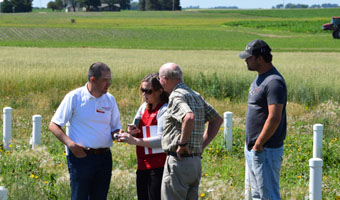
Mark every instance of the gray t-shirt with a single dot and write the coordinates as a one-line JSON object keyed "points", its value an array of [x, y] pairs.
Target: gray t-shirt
{"points": [[267, 89]]}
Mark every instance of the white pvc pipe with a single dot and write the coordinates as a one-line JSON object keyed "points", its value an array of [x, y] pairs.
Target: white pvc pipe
{"points": [[7, 127], [317, 140], [315, 178], [36, 132], [3, 193], [228, 128]]}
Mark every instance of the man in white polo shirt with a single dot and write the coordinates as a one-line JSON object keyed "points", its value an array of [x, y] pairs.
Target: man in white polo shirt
{"points": [[94, 118]]}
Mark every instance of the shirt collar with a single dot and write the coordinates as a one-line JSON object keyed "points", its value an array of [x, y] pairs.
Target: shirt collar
{"points": [[179, 85], [87, 93]]}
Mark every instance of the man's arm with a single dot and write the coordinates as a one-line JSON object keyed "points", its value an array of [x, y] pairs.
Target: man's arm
{"points": [[270, 126], [212, 130], [77, 149], [187, 128]]}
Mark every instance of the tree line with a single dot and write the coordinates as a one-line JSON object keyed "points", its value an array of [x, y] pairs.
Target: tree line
{"points": [[291, 5], [10, 6]]}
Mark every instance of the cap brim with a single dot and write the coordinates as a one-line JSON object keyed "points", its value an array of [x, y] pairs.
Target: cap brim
{"points": [[244, 55]]}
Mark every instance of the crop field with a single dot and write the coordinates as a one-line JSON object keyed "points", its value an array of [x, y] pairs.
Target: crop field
{"points": [[45, 55]]}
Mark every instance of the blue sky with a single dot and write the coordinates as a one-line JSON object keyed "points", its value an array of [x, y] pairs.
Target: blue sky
{"points": [[239, 3]]}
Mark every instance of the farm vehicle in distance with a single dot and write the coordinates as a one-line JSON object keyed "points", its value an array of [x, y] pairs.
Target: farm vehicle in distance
{"points": [[334, 26]]}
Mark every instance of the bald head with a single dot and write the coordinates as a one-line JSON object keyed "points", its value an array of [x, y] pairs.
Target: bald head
{"points": [[171, 71]]}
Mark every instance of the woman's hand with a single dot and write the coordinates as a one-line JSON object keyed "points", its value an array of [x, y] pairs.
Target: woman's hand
{"points": [[128, 138], [133, 130]]}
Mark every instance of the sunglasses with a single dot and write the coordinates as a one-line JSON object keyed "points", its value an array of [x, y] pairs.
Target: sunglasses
{"points": [[146, 91]]}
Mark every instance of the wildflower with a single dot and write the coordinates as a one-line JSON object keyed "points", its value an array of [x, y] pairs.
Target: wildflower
{"points": [[36, 177], [217, 151], [206, 174], [32, 176], [231, 187], [210, 148], [298, 177], [10, 145], [8, 152], [46, 182], [202, 195], [60, 165]]}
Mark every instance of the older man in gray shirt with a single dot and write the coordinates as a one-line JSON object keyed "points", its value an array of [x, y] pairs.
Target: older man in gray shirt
{"points": [[184, 138]]}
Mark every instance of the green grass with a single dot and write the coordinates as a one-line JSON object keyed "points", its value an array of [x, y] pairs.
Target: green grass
{"points": [[286, 30]]}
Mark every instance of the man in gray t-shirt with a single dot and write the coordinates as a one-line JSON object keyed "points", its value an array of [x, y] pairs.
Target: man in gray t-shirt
{"points": [[266, 123]]}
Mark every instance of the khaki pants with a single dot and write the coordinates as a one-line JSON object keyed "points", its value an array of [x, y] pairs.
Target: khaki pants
{"points": [[181, 178]]}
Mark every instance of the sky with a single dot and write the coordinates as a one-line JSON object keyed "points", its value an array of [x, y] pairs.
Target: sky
{"points": [[245, 4]]}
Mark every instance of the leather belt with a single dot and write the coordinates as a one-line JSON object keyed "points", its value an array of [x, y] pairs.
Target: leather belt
{"points": [[174, 154], [99, 151]]}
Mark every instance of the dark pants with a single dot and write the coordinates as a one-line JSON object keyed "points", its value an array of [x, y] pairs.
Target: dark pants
{"points": [[90, 176], [149, 184]]}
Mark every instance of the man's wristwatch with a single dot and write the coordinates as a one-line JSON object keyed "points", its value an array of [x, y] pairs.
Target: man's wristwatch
{"points": [[182, 145]]}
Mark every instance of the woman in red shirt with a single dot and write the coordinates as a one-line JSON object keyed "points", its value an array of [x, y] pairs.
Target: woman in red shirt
{"points": [[147, 129]]}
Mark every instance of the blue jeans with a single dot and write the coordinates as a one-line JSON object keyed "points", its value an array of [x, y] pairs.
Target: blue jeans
{"points": [[90, 176], [264, 172]]}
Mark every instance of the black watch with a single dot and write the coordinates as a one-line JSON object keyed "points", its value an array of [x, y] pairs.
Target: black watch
{"points": [[182, 145]]}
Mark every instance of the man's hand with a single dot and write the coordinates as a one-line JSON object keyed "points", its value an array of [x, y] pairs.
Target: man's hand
{"points": [[258, 148], [182, 150], [77, 150]]}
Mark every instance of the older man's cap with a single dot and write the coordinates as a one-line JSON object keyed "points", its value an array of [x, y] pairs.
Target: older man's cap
{"points": [[254, 48]]}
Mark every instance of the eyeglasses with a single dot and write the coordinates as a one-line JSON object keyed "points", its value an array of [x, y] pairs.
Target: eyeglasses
{"points": [[146, 91]]}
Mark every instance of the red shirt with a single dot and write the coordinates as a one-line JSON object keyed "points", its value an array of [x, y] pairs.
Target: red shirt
{"points": [[150, 161]]}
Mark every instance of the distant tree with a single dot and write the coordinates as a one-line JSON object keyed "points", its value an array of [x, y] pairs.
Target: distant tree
{"points": [[125, 4], [52, 5], [134, 6], [301, 6], [22, 5], [290, 5], [152, 5], [55, 5], [59, 4], [329, 5], [6, 6], [159, 5], [279, 6], [315, 6], [141, 5]]}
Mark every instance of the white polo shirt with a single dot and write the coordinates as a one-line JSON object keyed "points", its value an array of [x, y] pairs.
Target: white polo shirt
{"points": [[91, 119]]}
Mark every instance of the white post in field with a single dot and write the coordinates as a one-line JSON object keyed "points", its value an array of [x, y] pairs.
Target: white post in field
{"points": [[228, 128], [317, 140], [7, 127], [247, 192], [3, 193], [315, 178], [36, 132]]}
